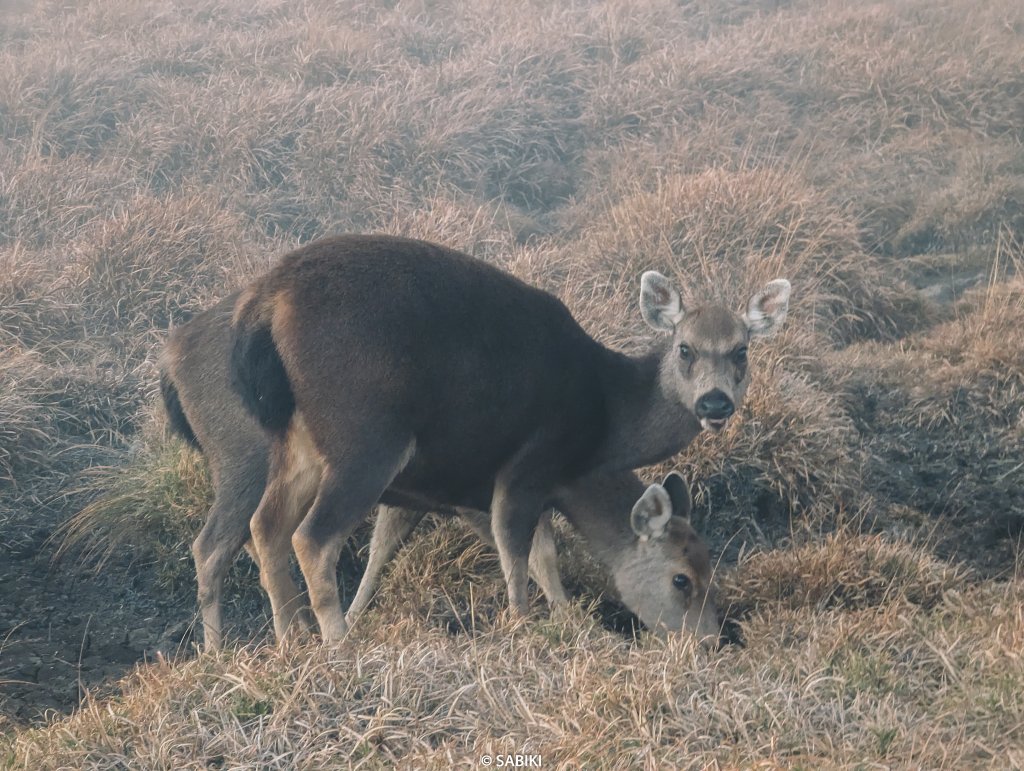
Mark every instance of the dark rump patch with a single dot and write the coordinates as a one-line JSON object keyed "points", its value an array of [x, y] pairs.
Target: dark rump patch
{"points": [[259, 377], [175, 413]]}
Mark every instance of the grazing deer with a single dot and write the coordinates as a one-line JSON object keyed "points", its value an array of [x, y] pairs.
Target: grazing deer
{"points": [[659, 566], [209, 416], [383, 366]]}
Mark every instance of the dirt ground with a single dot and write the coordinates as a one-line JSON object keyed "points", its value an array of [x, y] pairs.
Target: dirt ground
{"points": [[65, 631]]}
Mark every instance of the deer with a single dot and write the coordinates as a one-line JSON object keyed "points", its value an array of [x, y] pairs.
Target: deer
{"points": [[210, 417], [660, 567], [385, 367]]}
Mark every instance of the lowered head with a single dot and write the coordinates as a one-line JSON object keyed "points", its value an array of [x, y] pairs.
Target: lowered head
{"points": [[664, 574]]}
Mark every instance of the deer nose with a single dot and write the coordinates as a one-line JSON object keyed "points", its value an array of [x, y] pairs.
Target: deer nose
{"points": [[714, 405]]}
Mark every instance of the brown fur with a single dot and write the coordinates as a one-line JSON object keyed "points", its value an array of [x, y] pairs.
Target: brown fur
{"points": [[421, 371], [195, 373]]}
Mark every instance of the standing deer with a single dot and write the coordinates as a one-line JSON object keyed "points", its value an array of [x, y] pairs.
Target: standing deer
{"points": [[384, 367], [210, 416]]}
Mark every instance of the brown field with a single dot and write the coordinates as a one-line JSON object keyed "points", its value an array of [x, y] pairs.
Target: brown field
{"points": [[866, 510]]}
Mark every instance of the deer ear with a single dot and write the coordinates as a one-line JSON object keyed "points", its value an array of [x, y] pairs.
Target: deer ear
{"points": [[660, 303], [651, 514], [679, 492], [767, 309]]}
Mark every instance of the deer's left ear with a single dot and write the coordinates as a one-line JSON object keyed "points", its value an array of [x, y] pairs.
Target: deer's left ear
{"points": [[767, 309]]}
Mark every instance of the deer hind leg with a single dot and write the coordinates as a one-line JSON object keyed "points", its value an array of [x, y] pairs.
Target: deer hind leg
{"points": [[294, 476], [349, 488], [214, 549], [302, 618], [543, 561], [225, 532], [390, 531]]}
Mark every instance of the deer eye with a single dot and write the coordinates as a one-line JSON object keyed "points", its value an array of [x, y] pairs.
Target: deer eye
{"points": [[685, 353], [681, 581], [741, 355]]}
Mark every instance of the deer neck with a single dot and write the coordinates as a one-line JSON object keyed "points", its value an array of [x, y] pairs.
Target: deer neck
{"points": [[645, 425], [598, 507]]}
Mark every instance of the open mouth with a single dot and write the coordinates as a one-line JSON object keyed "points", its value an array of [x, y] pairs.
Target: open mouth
{"points": [[714, 425]]}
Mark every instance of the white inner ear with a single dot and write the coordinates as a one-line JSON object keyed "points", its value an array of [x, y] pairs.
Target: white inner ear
{"points": [[660, 303], [651, 514], [768, 308]]}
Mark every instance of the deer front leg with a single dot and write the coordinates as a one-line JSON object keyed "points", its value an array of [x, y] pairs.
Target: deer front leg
{"points": [[544, 563], [543, 554], [515, 513], [392, 527]]}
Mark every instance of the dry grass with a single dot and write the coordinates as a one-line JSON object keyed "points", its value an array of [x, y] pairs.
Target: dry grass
{"points": [[156, 155], [841, 570], [940, 416], [152, 506], [885, 684]]}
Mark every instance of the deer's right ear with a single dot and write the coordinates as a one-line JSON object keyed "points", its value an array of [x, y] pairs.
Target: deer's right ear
{"points": [[660, 303], [679, 492], [651, 514]]}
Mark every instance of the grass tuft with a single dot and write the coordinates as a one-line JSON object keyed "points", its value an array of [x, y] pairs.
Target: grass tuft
{"points": [[150, 509]]}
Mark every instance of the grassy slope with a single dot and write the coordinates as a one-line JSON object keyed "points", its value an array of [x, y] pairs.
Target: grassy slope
{"points": [[156, 155]]}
